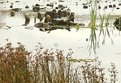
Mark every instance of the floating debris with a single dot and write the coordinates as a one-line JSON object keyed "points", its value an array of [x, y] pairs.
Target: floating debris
{"points": [[80, 60]]}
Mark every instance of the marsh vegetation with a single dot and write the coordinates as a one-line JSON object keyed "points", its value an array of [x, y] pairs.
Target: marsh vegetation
{"points": [[18, 65]]}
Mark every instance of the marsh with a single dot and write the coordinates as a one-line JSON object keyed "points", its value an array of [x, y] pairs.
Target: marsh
{"points": [[86, 42]]}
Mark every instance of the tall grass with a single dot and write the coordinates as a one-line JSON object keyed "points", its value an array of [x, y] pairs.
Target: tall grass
{"points": [[93, 14], [17, 65], [93, 26], [94, 39], [14, 64]]}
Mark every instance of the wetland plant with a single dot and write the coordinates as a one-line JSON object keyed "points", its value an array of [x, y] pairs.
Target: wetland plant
{"points": [[17, 65], [103, 26], [92, 26], [93, 13]]}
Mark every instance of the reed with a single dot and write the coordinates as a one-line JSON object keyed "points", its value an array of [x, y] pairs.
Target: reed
{"points": [[93, 26], [104, 19]]}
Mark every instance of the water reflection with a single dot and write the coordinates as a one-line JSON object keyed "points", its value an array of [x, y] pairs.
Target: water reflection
{"points": [[95, 37], [117, 23], [82, 39], [98, 37]]}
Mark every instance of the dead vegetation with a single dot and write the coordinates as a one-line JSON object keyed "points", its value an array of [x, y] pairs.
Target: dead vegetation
{"points": [[17, 65]]}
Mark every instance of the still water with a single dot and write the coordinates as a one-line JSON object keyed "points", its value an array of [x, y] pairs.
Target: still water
{"points": [[108, 47]]}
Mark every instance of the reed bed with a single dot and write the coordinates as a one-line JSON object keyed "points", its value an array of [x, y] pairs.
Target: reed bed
{"points": [[17, 65]]}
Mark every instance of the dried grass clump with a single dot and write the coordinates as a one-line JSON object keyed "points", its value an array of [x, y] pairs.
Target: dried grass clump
{"points": [[13, 64], [17, 65]]}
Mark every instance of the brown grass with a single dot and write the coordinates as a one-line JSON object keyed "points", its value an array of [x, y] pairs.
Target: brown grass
{"points": [[17, 65]]}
